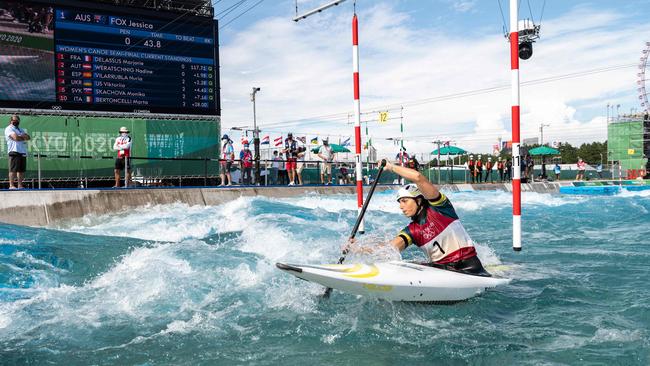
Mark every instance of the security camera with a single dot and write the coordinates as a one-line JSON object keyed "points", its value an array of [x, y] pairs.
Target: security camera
{"points": [[525, 50], [528, 34]]}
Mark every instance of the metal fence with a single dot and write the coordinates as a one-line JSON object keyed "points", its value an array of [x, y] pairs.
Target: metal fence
{"points": [[64, 171]]}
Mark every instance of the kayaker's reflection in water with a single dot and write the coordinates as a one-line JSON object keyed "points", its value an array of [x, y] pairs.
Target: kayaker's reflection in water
{"points": [[435, 227]]}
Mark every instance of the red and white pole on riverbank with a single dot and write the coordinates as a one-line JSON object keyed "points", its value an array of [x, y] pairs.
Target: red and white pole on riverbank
{"points": [[357, 117], [516, 159]]}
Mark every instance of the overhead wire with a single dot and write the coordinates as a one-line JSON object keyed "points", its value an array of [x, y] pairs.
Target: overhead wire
{"points": [[229, 9], [342, 116], [242, 13]]}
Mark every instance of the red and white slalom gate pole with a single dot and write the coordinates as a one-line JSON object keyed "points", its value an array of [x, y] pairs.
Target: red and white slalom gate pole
{"points": [[357, 116], [516, 159]]}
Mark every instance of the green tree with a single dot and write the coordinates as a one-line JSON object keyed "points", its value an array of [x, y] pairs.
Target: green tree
{"points": [[593, 152], [568, 153]]}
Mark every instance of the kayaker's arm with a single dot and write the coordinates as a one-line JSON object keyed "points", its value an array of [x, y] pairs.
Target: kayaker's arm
{"points": [[350, 247], [398, 243], [428, 189]]}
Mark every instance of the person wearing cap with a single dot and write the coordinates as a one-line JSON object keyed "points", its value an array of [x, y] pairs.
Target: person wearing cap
{"points": [[123, 161], [16, 139], [246, 158], [327, 154], [402, 159], [478, 168], [435, 227], [581, 169], [500, 168], [488, 170], [471, 166], [291, 151], [227, 157]]}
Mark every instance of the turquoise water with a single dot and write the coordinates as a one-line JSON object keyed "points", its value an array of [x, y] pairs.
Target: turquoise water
{"points": [[184, 285]]}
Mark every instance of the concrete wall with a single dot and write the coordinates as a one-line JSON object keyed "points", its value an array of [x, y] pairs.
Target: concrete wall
{"points": [[41, 208], [44, 207]]}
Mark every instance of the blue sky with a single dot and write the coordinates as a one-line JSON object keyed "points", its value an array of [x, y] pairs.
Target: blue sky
{"points": [[420, 55]]}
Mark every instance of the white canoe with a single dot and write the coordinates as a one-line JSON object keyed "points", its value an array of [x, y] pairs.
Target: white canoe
{"points": [[396, 281]]}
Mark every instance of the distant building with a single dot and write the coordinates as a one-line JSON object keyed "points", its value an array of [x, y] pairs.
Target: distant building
{"points": [[530, 141], [626, 143]]}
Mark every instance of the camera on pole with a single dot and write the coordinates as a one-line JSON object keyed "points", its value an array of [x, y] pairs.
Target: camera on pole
{"points": [[528, 34]]}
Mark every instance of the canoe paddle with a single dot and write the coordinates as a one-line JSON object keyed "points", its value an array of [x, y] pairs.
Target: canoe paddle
{"points": [[328, 290]]}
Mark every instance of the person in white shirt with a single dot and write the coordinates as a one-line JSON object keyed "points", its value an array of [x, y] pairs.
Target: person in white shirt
{"points": [[123, 161], [227, 158], [327, 154], [16, 138], [300, 163]]}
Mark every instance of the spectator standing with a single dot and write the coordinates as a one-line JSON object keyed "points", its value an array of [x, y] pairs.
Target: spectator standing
{"points": [[488, 170], [327, 154], [479, 169], [543, 175], [508, 170], [345, 179], [291, 151], [16, 138], [524, 171], [471, 166], [530, 168], [283, 176], [413, 163], [557, 170], [246, 158], [402, 159], [123, 161], [227, 158], [599, 170], [275, 166], [500, 167], [300, 163], [581, 169]]}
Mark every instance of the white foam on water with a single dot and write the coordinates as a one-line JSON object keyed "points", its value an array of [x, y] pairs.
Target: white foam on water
{"points": [[164, 281], [174, 222], [615, 335], [33, 260], [144, 276], [625, 193], [330, 338]]}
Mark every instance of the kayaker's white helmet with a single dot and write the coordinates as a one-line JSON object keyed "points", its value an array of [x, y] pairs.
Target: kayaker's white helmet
{"points": [[410, 191]]}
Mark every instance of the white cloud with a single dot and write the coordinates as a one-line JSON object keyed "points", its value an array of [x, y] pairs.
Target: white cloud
{"points": [[463, 6], [305, 70]]}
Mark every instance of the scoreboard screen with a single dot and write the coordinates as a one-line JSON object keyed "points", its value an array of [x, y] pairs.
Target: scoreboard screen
{"points": [[63, 56]]}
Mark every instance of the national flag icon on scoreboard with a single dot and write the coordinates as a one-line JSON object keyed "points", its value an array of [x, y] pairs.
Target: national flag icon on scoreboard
{"points": [[89, 99], [87, 75], [87, 66], [88, 58], [99, 18], [88, 83], [88, 90]]}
